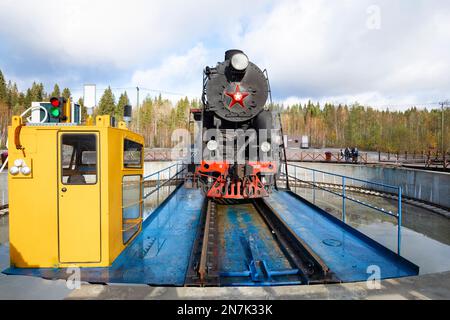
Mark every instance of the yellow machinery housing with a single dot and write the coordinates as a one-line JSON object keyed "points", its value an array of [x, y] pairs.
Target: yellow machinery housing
{"points": [[75, 193]]}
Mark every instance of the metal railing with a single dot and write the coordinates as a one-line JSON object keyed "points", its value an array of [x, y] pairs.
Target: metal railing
{"points": [[343, 182], [325, 156], [4, 199], [428, 158], [162, 179]]}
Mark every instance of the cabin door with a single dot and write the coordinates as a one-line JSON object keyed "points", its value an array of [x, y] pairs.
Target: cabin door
{"points": [[79, 197]]}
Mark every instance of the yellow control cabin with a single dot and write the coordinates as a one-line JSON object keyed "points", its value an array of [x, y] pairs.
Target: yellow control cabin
{"points": [[75, 192]]}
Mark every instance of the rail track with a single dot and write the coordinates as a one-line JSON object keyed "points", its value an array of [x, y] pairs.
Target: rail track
{"points": [[249, 244]]}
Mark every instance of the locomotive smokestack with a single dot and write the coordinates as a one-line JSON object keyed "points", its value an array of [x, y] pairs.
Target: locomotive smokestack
{"points": [[238, 60], [232, 52]]}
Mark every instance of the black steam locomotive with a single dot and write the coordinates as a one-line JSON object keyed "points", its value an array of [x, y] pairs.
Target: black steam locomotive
{"points": [[241, 138]]}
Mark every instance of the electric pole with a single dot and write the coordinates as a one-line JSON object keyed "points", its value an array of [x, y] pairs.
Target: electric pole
{"points": [[138, 111], [443, 105]]}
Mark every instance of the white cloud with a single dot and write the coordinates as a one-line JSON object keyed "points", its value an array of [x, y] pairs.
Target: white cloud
{"points": [[313, 49], [124, 33], [179, 74], [323, 49]]}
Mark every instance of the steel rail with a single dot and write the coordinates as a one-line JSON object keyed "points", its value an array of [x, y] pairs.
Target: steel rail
{"points": [[312, 268], [203, 268], [203, 263]]}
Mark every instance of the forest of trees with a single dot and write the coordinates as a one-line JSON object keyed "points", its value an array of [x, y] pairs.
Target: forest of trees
{"points": [[369, 129]]}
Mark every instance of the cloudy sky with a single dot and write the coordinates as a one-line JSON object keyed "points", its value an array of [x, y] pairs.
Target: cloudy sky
{"points": [[383, 53]]}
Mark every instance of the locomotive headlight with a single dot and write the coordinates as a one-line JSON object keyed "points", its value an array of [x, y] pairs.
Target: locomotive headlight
{"points": [[239, 61], [212, 145], [265, 146]]}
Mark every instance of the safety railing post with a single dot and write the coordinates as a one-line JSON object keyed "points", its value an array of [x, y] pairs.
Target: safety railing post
{"points": [[399, 221], [174, 177], [170, 180], [343, 199], [157, 190], [314, 186], [295, 180]]}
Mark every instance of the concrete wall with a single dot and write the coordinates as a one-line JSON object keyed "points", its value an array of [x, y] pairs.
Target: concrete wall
{"points": [[424, 185], [154, 166]]}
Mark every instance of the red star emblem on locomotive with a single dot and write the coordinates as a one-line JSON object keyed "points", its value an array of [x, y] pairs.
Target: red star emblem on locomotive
{"points": [[237, 97]]}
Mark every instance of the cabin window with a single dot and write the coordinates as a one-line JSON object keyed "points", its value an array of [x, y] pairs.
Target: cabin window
{"points": [[79, 159], [132, 154], [131, 206]]}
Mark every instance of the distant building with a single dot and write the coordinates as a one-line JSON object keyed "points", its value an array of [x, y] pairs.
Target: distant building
{"points": [[305, 142], [297, 142]]}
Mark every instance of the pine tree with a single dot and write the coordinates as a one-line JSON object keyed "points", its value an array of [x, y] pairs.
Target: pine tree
{"points": [[66, 93], [3, 91], [147, 118], [181, 112], [107, 103], [56, 92], [12, 94], [35, 93], [83, 110]]}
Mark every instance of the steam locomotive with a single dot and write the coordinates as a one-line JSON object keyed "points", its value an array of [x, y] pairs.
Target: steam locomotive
{"points": [[240, 136]]}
